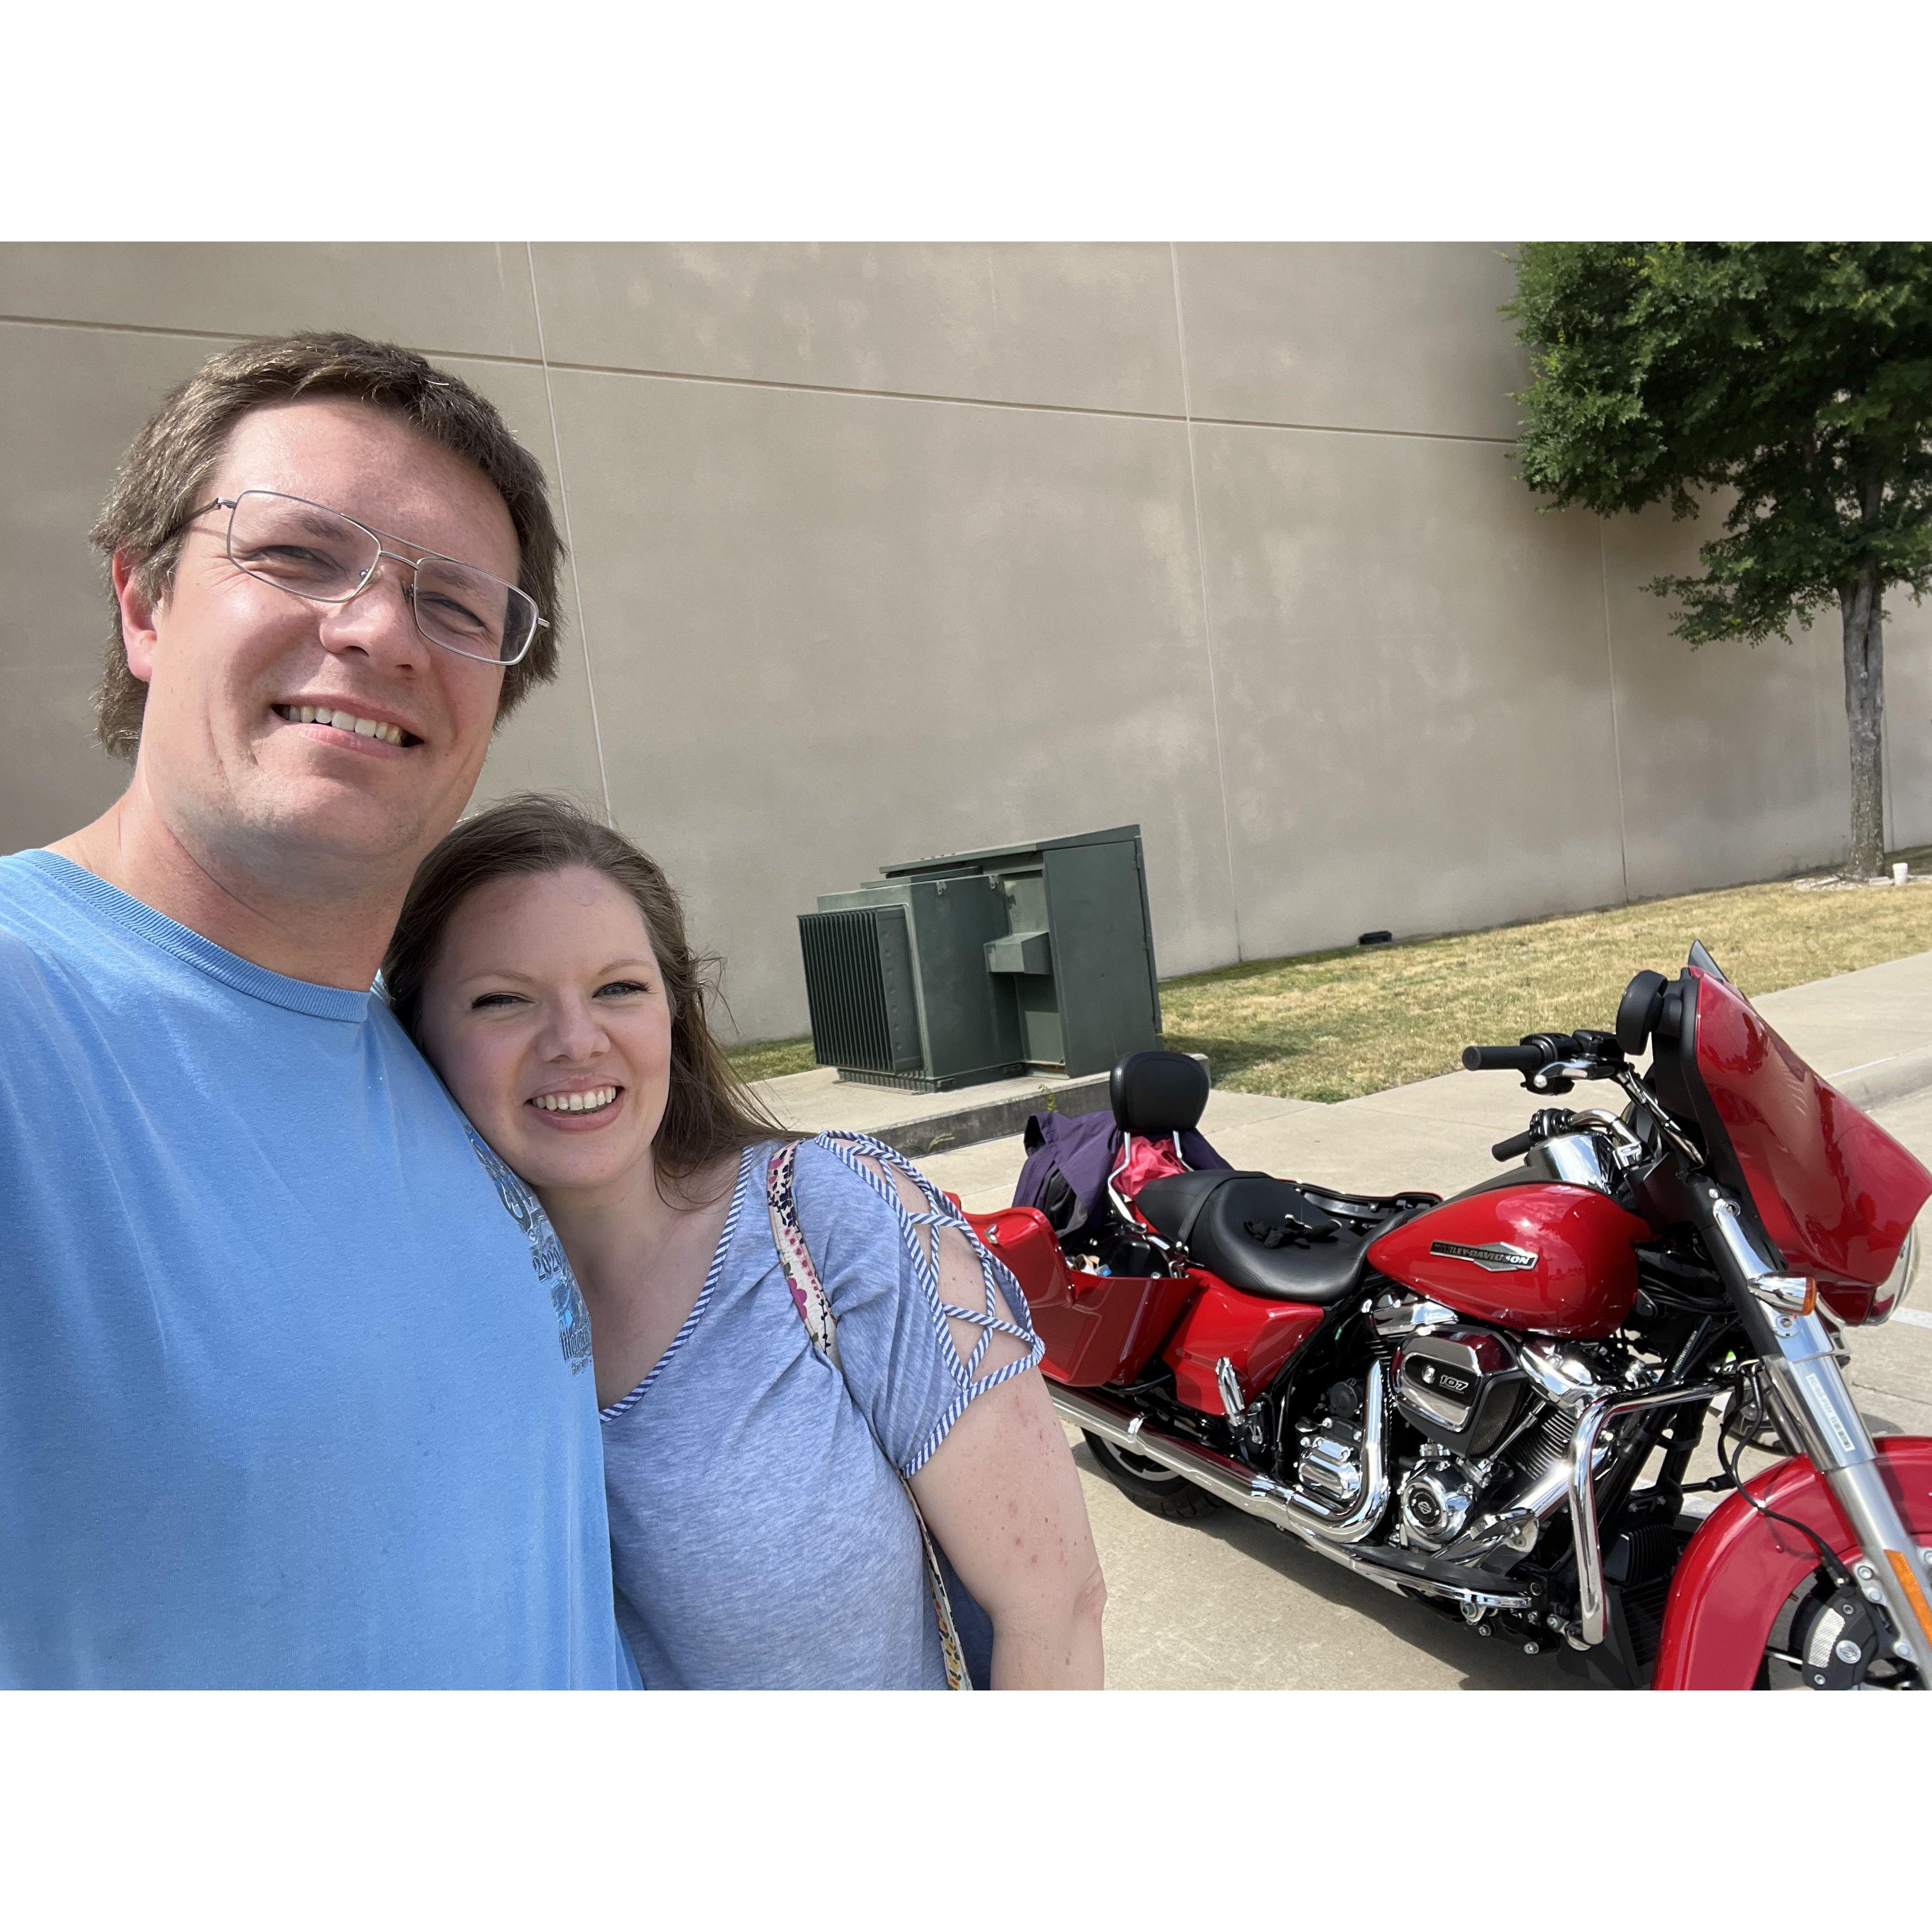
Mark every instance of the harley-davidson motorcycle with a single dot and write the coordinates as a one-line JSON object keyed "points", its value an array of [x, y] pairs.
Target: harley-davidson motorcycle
{"points": [[1492, 1403]]}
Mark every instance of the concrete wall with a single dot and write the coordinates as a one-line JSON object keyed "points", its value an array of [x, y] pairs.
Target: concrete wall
{"points": [[884, 551]]}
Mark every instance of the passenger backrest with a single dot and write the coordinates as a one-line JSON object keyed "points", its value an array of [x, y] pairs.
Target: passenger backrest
{"points": [[1157, 1093]]}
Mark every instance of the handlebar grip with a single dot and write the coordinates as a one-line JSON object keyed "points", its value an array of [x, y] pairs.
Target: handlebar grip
{"points": [[1516, 1144], [1504, 1059]]}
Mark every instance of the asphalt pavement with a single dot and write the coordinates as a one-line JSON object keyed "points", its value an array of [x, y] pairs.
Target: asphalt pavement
{"points": [[1228, 1603]]}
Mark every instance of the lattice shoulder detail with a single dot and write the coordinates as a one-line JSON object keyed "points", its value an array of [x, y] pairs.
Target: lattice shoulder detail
{"points": [[927, 1232]]}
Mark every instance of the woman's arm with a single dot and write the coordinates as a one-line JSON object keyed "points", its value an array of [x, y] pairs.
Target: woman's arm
{"points": [[1003, 1499], [1002, 1496]]}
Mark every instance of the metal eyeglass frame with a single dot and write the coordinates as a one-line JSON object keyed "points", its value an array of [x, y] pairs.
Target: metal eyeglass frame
{"points": [[539, 622]]}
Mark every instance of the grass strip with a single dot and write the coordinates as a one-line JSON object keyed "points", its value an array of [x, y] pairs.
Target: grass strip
{"points": [[767, 1059], [1330, 1026]]}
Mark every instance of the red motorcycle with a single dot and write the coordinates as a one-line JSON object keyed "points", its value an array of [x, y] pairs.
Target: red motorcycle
{"points": [[1492, 1403]]}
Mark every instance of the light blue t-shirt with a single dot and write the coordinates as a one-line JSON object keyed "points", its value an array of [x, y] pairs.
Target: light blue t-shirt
{"points": [[295, 1381], [761, 1536]]}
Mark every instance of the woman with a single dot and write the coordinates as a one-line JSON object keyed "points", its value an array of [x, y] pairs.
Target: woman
{"points": [[761, 1534]]}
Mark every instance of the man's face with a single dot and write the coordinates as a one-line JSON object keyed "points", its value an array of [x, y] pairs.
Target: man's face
{"points": [[227, 658]]}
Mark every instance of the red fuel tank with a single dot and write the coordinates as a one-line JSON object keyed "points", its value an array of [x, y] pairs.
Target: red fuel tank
{"points": [[1555, 1259]]}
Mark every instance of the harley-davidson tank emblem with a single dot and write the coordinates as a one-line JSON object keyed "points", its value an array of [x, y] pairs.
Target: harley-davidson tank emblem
{"points": [[1497, 1257]]}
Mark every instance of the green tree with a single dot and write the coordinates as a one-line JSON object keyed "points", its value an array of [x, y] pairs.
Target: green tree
{"points": [[1797, 376]]}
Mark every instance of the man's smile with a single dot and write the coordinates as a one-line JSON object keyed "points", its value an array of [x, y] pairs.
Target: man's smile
{"points": [[332, 724]]}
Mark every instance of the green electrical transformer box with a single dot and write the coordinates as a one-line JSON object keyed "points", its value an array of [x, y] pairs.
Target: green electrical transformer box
{"points": [[980, 965]]}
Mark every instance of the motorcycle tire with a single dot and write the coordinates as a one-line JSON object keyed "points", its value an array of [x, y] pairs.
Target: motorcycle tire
{"points": [[1155, 1488], [1844, 1670]]}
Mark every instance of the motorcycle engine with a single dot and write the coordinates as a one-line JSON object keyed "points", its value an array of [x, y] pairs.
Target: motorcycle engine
{"points": [[1437, 1496], [1460, 1386], [1330, 1463], [1490, 1441], [1478, 1440]]}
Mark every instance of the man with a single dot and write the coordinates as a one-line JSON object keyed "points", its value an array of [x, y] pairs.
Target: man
{"points": [[292, 1392]]}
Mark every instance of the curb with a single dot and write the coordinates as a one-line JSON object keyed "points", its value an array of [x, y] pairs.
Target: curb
{"points": [[1895, 1078], [995, 1119]]}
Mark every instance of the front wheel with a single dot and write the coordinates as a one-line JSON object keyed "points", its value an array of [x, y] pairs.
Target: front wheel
{"points": [[1826, 1638], [1149, 1483]]}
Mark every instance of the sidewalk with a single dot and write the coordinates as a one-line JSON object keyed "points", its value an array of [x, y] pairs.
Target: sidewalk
{"points": [[1870, 1032]]}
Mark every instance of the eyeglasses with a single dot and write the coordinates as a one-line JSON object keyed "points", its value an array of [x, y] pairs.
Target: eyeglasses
{"points": [[312, 551]]}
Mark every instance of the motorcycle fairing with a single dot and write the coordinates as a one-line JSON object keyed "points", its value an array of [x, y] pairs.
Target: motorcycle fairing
{"points": [[1834, 1191], [1739, 1569]]}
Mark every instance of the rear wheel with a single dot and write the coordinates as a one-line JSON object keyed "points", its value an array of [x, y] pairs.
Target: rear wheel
{"points": [[1148, 1483]]}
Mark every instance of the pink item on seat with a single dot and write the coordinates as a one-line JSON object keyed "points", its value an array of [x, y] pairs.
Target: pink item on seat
{"points": [[1146, 1160]]}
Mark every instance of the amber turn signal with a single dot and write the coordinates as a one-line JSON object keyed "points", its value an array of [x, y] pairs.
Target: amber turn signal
{"points": [[1914, 1593]]}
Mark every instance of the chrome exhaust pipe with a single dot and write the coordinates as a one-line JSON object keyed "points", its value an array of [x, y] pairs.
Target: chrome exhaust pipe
{"points": [[1337, 1535], [1246, 1489]]}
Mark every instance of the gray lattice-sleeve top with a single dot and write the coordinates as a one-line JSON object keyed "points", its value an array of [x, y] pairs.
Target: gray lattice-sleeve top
{"points": [[760, 1538]]}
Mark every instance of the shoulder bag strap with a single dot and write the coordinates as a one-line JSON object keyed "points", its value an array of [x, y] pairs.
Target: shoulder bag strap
{"points": [[814, 1308]]}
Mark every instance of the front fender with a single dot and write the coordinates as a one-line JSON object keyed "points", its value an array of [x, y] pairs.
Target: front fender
{"points": [[1740, 1568]]}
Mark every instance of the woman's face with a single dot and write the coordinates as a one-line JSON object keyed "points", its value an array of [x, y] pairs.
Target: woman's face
{"points": [[545, 1013]]}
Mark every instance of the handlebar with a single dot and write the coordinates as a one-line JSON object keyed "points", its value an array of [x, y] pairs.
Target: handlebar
{"points": [[1504, 1059], [1543, 1123]]}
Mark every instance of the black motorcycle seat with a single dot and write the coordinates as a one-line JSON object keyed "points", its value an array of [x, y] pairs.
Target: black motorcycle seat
{"points": [[1214, 1214]]}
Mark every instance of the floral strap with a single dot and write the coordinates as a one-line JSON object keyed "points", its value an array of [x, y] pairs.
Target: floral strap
{"points": [[815, 1307]]}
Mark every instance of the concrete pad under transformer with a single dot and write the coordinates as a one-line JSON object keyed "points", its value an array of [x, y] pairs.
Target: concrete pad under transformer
{"points": [[919, 1124]]}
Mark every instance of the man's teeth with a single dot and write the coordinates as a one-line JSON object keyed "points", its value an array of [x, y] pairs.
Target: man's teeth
{"points": [[342, 721], [576, 1103]]}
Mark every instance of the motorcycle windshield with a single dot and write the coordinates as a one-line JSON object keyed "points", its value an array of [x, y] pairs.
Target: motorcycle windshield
{"points": [[1835, 1191]]}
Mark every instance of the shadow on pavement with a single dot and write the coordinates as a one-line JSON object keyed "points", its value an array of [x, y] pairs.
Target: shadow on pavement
{"points": [[1485, 1664]]}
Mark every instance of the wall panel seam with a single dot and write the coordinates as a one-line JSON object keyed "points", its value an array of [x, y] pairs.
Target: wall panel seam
{"points": [[548, 364], [570, 542], [1355, 429], [185, 333], [1206, 607], [1616, 734]]}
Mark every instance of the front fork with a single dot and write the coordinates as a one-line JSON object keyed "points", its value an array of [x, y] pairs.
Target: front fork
{"points": [[1814, 1407]]}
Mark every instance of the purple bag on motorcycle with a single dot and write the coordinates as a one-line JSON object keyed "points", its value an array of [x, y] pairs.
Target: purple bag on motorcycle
{"points": [[1069, 1158]]}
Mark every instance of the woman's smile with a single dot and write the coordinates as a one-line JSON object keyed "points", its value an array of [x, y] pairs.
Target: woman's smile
{"points": [[577, 1110]]}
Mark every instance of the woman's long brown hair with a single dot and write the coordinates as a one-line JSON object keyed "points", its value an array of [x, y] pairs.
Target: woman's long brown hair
{"points": [[709, 1112]]}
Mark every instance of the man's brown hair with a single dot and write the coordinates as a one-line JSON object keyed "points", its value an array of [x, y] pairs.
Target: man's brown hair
{"points": [[166, 473], [708, 1111]]}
